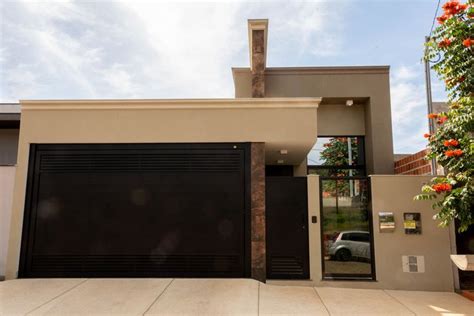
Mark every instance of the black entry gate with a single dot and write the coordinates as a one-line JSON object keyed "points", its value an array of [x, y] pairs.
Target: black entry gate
{"points": [[465, 245], [287, 228], [135, 210]]}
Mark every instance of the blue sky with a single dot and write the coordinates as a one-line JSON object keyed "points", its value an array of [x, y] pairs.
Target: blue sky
{"points": [[156, 49]]}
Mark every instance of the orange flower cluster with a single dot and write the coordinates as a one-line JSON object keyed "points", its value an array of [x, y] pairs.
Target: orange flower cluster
{"points": [[442, 19], [441, 119], [444, 43], [453, 153], [442, 187], [468, 42], [451, 142], [426, 135], [451, 8]]}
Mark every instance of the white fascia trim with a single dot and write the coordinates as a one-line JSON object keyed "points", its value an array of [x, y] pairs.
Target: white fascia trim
{"points": [[171, 104]]}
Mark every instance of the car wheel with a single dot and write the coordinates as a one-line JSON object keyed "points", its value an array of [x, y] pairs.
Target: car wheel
{"points": [[343, 255]]}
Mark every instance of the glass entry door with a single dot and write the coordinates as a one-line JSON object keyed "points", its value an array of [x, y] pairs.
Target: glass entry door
{"points": [[346, 228]]}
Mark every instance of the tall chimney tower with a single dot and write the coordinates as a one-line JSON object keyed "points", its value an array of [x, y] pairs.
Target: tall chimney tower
{"points": [[258, 30]]}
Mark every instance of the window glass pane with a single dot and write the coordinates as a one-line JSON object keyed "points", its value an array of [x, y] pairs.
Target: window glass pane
{"points": [[347, 236], [345, 224], [337, 151]]}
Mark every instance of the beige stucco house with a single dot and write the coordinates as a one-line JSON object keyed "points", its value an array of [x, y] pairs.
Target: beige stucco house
{"points": [[290, 181]]}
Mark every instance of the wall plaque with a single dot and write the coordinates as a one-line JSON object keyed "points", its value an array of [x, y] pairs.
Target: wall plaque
{"points": [[412, 223], [386, 222]]}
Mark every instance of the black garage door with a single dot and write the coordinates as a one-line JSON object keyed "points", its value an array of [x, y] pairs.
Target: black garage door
{"points": [[132, 210]]}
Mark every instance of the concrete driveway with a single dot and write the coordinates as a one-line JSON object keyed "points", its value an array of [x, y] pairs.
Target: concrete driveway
{"points": [[214, 297]]}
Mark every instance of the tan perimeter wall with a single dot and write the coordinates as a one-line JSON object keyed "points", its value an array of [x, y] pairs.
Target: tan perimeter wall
{"points": [[7, 179], [391, 194], [371, 84], [395, 194]]}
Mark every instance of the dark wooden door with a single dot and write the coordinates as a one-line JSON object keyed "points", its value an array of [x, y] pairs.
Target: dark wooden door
{"points": [[287, 228], [136, 210]]}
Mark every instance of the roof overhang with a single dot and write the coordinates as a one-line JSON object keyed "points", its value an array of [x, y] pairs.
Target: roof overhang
{"points": [[10, 120], [10, 115], [287, 126]]}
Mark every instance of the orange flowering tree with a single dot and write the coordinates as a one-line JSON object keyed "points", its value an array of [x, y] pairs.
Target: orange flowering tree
{"points": [[452, 144]]}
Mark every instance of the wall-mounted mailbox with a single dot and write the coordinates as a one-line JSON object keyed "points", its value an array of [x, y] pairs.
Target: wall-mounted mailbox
{"points": [[386, 222], [412, 223]]}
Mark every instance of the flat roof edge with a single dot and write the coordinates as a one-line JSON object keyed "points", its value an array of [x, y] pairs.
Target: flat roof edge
{"points": [[10, 108], [381, 69], [171, 103]]}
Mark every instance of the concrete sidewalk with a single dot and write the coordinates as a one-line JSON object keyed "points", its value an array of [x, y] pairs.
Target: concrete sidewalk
{"points": [[214, 297]]}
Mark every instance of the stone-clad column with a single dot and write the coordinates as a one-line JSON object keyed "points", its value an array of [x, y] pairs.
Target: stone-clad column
{"points": [[257, 188], [258, 63]]}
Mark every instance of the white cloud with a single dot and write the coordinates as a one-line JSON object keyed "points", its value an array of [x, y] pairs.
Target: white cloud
{"points": [[314, 25], [409, 109], [406, 73], [149, 49], [195, 45], [24, 79], [119, 80]]}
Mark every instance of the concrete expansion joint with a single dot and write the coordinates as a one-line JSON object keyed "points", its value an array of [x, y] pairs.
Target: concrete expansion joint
{"points": [[58, 296], [319, 297], [158, 297], [393, 297]]}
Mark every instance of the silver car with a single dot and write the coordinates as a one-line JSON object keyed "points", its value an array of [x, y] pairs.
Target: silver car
{"points": [[349, 245]]}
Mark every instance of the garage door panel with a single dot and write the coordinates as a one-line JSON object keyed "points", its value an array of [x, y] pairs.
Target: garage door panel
{"points": [[131, 208], [89, 219]]}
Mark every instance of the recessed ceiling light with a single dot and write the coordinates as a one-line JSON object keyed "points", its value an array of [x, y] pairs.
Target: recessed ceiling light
{"points": [[284, 151]]}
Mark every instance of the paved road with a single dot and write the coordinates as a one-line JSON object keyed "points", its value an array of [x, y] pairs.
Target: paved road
{"points": [[214, 297]]}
